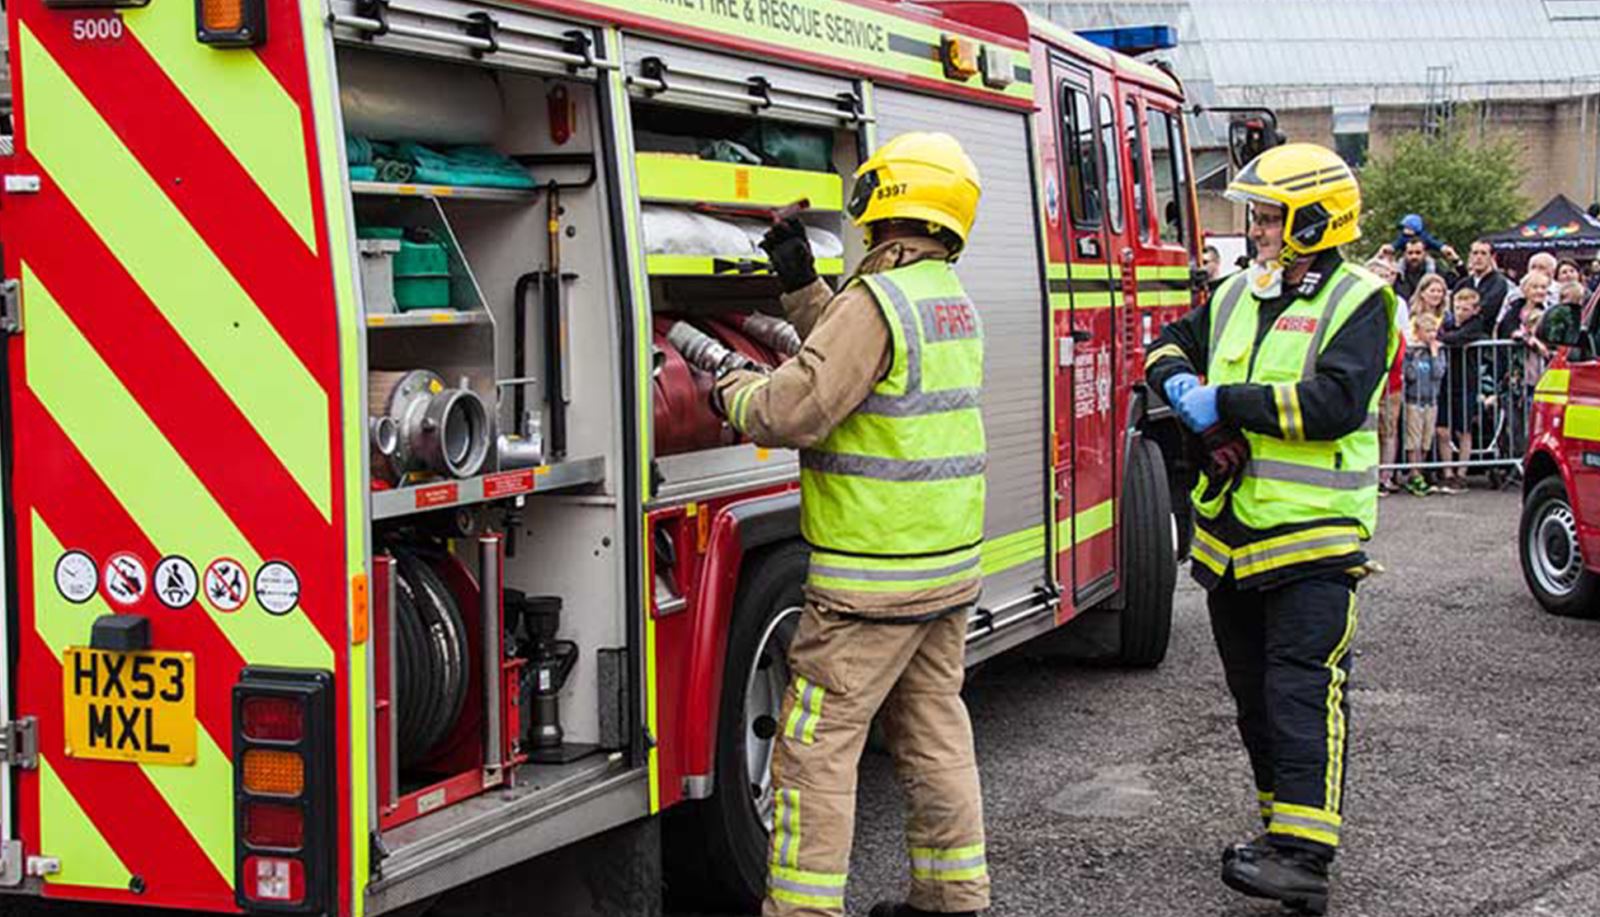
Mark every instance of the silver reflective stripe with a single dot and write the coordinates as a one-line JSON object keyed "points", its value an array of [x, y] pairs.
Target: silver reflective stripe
{"points": [[807, 888], [897, 575], [1297, 821], [891, 469], [1197, 545], [929, 864], [908, 330], [1370, 424], [1223, 310], [788, 800], [920, 403], [1331, 478], [807, 711], [1249, 558], [1317, 337]]}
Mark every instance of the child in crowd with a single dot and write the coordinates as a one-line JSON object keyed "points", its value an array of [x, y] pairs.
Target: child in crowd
{"points": [[1425, 367]]}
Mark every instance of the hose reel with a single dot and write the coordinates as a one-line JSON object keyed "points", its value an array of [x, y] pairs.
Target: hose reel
{"points": [[433, 658]]}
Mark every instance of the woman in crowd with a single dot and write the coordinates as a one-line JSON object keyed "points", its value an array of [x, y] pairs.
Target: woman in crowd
{"points": [[1431, 297]]}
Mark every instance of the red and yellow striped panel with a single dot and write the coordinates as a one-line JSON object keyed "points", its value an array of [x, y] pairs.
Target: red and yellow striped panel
{"points": [[179, 389]]}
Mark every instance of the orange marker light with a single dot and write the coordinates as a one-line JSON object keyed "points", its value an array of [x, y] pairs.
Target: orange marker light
{"points": [[274, 773], [360, 620], [231, 23], [222, 15], [960, 57]]}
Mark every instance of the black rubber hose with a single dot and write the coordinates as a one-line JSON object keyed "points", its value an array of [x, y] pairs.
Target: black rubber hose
{"points": [[448, 635], [433, 664]]}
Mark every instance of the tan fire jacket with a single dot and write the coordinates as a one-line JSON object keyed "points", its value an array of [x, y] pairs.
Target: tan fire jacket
{"points": [[846, 351]]}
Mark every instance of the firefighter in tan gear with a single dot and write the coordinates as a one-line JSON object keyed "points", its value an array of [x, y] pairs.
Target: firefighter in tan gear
{"points": [[1293, 352], [883, 402]]}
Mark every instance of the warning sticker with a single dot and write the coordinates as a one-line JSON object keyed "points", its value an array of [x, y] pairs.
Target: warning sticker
{"points": [[77, 577], [226, 584], [126, 578], [277, 587], [176, 583]]}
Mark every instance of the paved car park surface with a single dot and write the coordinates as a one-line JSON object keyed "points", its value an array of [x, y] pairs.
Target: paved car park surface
{"points": [[1473, 780]]}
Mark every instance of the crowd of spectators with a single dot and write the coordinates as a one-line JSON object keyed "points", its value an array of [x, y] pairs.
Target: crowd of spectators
{"points": [[1447, 401]]}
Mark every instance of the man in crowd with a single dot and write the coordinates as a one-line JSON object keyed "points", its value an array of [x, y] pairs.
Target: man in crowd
{"points": [[1416, 263], [1484, 278]]}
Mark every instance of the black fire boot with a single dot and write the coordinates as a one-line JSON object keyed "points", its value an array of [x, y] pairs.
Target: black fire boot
{"points": [[1251, 848], [901, 909], [1297, 878]]}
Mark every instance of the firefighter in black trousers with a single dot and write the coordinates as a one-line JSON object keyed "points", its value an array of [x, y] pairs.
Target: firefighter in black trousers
{"points": [[1293, 352]]}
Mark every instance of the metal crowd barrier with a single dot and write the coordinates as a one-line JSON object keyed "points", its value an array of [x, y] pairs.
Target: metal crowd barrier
{"points": [[1486, 393]]}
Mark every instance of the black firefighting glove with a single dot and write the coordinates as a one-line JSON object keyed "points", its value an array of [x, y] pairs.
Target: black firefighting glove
{"points": [[1226, 453], [790, 252]]}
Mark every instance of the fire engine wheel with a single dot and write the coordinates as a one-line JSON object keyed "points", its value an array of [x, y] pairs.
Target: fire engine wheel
{"points": [[1552, 562], [717, 856], [1149, 557]]}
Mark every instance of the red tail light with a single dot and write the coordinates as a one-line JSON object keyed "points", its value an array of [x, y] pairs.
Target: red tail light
{"points": [[274, 880], [274, 719], [274, 826], [285, 811]]}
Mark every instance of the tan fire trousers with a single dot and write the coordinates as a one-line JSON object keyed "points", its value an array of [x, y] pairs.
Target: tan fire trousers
{"points": [[844, 670]]}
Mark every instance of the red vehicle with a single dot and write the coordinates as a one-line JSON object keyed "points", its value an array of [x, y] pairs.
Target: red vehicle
{"points": [[1559, 536], [366, 529]]}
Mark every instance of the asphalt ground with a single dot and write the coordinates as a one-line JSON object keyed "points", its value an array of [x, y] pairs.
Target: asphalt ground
{"points": [[1473, 784]]}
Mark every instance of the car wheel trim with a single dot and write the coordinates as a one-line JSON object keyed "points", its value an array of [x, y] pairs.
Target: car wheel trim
{"points": [[1557, 562]]}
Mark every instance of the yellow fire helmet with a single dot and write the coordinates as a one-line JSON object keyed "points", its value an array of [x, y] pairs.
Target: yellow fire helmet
{"points": [[1317, 190], [923, 177]]}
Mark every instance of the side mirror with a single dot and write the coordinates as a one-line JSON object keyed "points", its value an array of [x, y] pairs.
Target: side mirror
{"points": [[1560, 328], [1251, 135]]}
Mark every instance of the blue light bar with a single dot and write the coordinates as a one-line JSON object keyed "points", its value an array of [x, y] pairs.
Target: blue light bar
{"points": [[1136, 39]]}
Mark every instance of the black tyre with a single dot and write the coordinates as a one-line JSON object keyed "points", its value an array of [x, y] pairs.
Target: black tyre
{"points": [[1552, 562], [1149, 559], [717, 849]]}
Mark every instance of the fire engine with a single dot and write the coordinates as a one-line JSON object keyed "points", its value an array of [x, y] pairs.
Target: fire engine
{"points": [[367, 528]]}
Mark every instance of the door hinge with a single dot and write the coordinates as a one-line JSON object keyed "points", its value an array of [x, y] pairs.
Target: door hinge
{"points": [[43, 866], [11, 864], [10, 307], [19, 743]]}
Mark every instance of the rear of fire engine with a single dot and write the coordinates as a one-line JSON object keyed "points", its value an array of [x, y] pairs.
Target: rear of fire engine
{"points": [[367, 530]]}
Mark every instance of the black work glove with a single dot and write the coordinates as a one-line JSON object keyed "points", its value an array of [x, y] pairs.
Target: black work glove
{"points": [[790, 252], [1226, 454]]}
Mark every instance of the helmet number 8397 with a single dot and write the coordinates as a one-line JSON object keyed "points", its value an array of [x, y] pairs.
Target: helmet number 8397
{"points": [[894, 190]]}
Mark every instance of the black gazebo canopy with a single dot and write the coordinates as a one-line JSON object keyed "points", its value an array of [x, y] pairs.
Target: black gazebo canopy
{"points": [[1559, 225]]}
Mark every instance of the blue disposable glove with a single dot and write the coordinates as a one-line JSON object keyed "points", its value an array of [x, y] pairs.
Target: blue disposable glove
{"points": [[1178, 385], [1198, 408]]}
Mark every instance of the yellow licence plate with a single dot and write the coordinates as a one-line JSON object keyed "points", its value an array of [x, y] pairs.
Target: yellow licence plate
{"points": [[129, 706]]}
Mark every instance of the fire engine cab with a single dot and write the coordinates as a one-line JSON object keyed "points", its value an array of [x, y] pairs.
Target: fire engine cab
{"points": [[366, 528]]}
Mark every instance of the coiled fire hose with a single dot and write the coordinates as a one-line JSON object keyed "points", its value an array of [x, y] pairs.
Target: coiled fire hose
{"points": [[432, 664]]}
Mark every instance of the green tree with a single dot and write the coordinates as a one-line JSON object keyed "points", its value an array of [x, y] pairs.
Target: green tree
{"points": [[1462, 186]]}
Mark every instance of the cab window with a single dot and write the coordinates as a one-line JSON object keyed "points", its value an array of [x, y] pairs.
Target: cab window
{"points": [[1113, 162], [1077, 141], [1136, 176], [1169, 171]]}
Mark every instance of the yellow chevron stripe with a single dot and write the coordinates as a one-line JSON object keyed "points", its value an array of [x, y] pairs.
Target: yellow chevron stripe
{"points": [[150, 479], [66, 833], [169, 260], [202, 794], [241, 101]]}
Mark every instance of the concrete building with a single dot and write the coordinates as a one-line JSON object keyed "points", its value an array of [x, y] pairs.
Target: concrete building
{"points": [[1355, 74]]}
